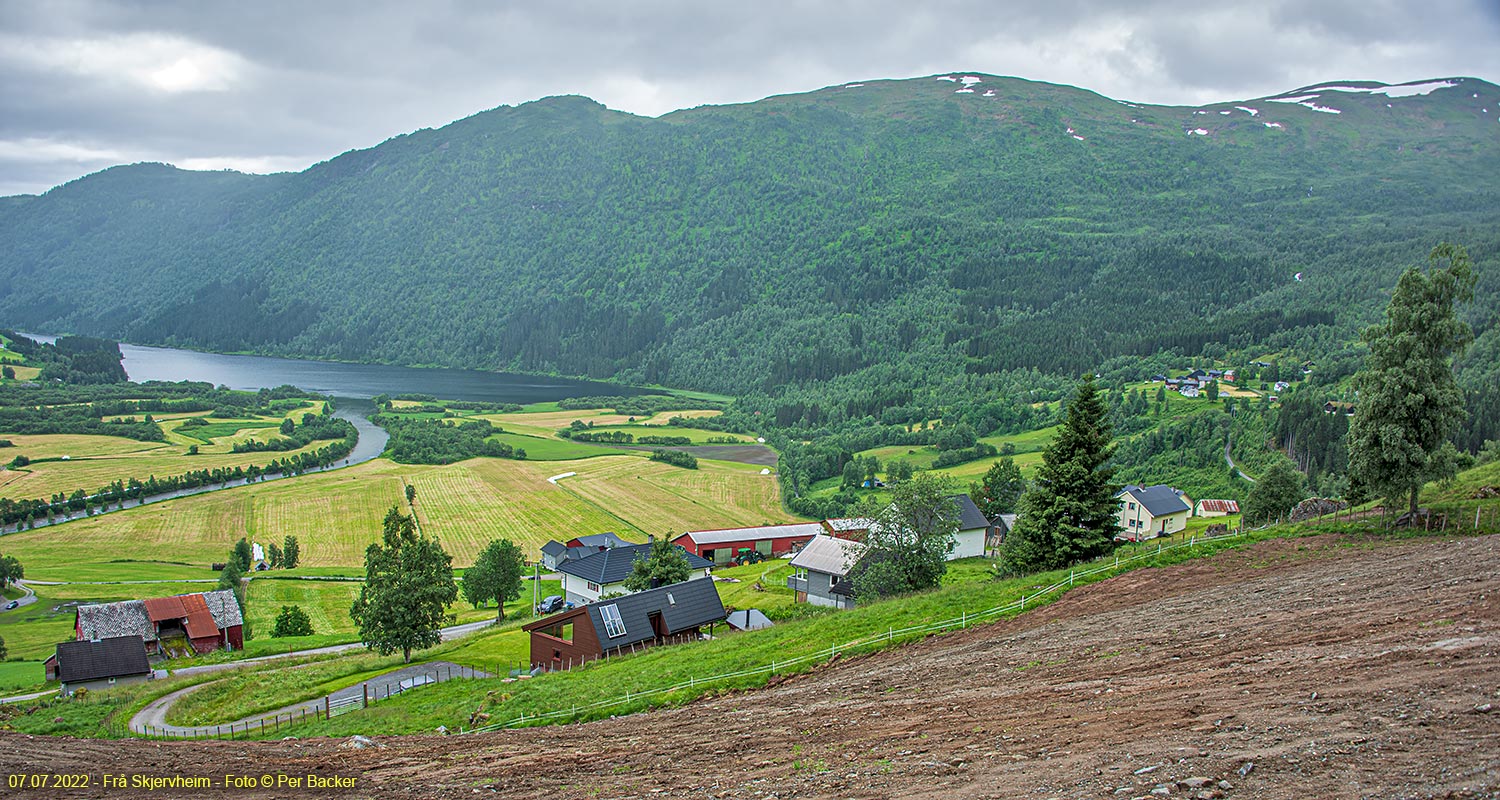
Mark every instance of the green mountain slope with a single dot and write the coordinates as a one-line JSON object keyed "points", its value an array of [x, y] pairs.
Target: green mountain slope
{"points": [[886, 237]]}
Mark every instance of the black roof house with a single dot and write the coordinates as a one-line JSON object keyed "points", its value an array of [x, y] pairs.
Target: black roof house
{"points": [[613, 564], [682, 606], [116, 657], [1159, 500], [969, 515]]}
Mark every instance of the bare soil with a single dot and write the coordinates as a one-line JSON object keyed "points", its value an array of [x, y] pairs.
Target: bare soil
{"points": [[1330, 667]]}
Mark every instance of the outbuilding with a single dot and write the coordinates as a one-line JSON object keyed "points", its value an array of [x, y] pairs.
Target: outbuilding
{"points": [[723, 545], [101, 664]]}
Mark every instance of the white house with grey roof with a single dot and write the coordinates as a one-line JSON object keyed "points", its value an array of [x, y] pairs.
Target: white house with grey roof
{"points": [[1151, 511], [585, 580]]}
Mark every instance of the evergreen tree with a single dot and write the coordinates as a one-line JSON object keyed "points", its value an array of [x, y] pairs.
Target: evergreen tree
{"points": [[909, 542], [1000, 489], [1409, 403], [241, 554], [1279, 489], [496, 575], [664, 564], [408, 586], [291, 552], [1070, 514], [292, 621], [273, 554]]}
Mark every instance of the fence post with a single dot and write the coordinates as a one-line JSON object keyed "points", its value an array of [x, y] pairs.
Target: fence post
{"points": [[326, 709], [366, 689], [1070, 577], [963, 620]]}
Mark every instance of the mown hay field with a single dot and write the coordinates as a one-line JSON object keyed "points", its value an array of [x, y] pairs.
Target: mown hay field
{"points": [[658, 498], [336, 515]]}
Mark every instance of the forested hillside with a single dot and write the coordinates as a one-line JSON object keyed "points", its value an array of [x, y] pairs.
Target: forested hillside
{"points": [[830, 255]]}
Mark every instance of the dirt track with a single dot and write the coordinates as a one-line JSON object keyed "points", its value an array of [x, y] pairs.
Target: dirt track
{"points": [[1338, 668]]}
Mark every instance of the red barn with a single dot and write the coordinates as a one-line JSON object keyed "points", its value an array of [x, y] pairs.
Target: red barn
{"points": [[723, 545], [207, 620]]}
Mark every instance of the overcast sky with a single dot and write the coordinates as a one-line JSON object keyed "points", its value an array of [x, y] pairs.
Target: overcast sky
{"points": [[269, 86]]}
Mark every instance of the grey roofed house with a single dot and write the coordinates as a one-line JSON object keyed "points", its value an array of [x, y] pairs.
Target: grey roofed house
{"points": [[969, 515], [829, 555], [682, 606], [613, 565], [101, 662], [1159, 500], [110, 620], [553, 552], [597, 540], [749, 619], [224, 608]]}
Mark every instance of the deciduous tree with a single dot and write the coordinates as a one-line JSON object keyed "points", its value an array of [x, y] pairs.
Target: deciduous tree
{"points": [[665, 563], [909, 541], [408, 586], [1279, 488], [292, 621], [1000, 489], [496, 575]]}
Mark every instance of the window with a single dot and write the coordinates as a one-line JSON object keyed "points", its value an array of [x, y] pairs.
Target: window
{"points": [[1132, 506], [613, 625], [593, 587], [833, 580]]}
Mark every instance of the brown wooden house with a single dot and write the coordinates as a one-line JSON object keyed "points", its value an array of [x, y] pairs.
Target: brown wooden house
{"points": [[623, 624]]}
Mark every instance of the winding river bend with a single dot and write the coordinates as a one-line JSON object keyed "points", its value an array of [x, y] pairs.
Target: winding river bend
{"points": [[352, 386]]}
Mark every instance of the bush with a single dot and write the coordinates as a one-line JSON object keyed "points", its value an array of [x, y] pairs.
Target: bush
{"points": [[292, 621], [676, 458]]}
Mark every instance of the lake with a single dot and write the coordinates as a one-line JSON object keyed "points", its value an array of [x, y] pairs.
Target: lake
{"points": [[357, 381]]}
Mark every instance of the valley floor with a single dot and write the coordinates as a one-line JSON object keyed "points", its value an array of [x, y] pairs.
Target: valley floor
{"points": [[1338, 666]]}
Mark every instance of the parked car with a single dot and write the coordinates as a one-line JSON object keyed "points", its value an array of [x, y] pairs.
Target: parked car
{"points": [[551, 604], [12, 604]]}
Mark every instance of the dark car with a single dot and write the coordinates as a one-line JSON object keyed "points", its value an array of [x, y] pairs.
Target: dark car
{"points": [[551, 604], [12, 604]]}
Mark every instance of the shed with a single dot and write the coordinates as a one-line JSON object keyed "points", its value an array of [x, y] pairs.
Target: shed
{"points": [[722, 545], [101, 664]]}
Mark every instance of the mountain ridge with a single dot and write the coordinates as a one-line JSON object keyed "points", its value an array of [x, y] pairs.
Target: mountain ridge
{"points": [[904, 233]]}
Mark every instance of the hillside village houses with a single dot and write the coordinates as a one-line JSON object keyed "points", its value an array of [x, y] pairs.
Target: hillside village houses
{"points": [[602, 573], [821, 571], [1151, 511]]}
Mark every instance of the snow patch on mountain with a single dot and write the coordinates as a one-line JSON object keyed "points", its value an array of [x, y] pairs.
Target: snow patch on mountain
{"points": [[1324, 109], [1251, 111], [969, 80]]}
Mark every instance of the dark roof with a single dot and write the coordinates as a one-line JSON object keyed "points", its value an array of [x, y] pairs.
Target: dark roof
{"points": [[969, 515], [1159, 500], [554, 548], [613, 565], [683, 606], [115, 657], [606, 539]]}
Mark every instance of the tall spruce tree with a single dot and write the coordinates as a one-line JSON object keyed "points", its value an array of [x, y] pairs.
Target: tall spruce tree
{"points": [[1409, 403], [408, 586], [1070, 514]]}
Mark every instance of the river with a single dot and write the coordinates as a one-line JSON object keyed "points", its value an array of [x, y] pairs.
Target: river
{"points": [[352, 386]]}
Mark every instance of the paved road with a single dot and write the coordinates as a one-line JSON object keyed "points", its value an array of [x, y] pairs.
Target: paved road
{"points": [[22, 601], [152, 719], [1230, 462]]}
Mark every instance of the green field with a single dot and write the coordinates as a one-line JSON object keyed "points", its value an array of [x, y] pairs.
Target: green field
{"points": [[66, 462], [32, 631], [335, 515], [551, 448]]}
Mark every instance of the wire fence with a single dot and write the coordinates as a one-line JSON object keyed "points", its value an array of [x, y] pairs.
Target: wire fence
{"points": [[892, 635], [323, 708]]}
